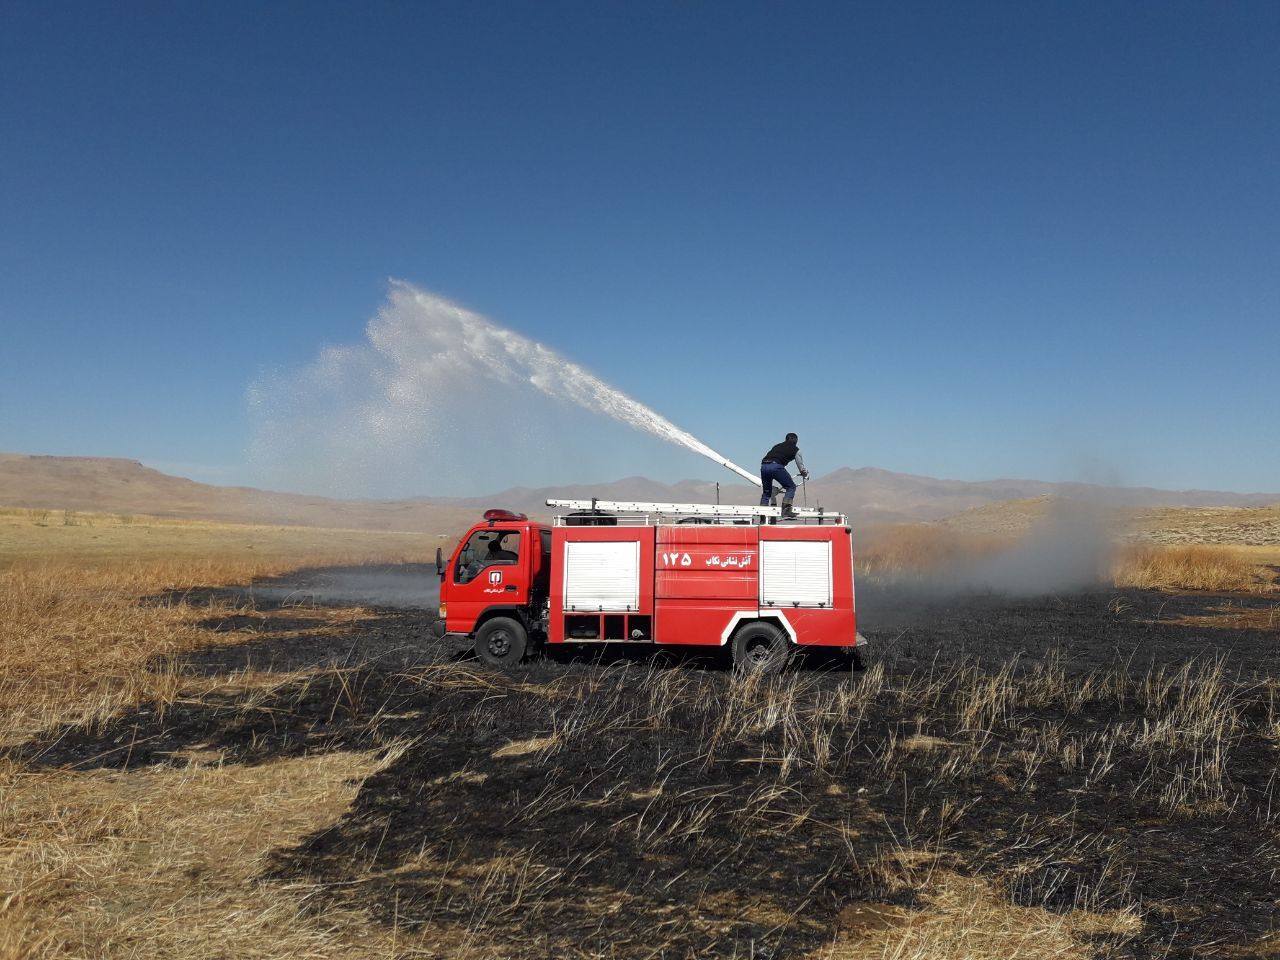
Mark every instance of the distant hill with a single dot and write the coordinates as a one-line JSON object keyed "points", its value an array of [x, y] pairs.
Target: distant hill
{"points": [[868, 495], [109, 485], [871, 495]]}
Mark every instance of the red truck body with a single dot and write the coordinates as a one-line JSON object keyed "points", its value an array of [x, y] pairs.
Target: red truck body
{"points": [[653, 582]]}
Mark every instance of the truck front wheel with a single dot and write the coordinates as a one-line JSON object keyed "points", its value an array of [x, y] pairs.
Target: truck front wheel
{"points": [[501, 642], [760, 647]]}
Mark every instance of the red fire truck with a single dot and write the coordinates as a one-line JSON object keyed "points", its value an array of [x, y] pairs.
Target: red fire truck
{"points": [[653, 573]]}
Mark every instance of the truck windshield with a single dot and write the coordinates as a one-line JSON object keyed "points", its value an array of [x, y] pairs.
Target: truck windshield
{"points": [[486, 548]]}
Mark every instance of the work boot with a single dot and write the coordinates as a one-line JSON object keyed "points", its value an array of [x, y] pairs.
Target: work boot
{"points": [[788, 511]]}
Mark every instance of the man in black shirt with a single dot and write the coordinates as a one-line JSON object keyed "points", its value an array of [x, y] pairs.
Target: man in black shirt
{"points": [[774, 468]]}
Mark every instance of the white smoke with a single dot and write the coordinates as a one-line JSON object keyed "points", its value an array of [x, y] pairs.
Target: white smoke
{"points": [[432, 380], [1068, 550]]}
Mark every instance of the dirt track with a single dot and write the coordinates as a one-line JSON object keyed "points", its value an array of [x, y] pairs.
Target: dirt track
{"points": [[1085, 752]]}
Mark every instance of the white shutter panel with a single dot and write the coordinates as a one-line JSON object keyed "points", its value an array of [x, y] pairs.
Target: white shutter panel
{"points": [[602, 576], [795, 573]]}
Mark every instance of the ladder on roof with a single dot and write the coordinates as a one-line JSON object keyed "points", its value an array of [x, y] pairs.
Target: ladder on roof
{"points": [[696, 509]]}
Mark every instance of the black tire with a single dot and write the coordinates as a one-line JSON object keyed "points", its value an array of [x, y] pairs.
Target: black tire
{"points": [[502, 642], [760, 647]]}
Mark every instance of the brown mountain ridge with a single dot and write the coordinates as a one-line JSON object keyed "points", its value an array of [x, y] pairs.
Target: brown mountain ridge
{"points": [[867, 494]]}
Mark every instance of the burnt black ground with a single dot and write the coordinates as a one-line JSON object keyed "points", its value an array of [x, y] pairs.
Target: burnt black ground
{"points": [[668, 809]]}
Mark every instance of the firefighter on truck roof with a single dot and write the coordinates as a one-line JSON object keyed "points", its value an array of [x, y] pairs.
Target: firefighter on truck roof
{"points": [[774, 468]]}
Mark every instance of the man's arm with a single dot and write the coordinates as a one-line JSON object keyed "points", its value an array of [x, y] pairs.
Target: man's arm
{"points": [[800, 465]]}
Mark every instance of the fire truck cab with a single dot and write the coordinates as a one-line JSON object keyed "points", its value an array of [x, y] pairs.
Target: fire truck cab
{"points": [[652, 573]]}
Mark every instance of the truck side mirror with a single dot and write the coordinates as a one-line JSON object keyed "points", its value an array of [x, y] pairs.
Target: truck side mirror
{"points": [[439, 563]]}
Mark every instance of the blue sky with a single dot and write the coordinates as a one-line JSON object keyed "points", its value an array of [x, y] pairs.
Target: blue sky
{"points": [[965, 240]]}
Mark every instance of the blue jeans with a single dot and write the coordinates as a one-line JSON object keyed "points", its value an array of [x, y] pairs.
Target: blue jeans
{"points": [[769, 472]]}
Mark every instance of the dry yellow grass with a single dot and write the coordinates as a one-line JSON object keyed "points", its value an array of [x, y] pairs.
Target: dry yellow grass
{"points": [[1239, 526], [156, 862], [87, 605], [166, 862], [1233, 526], [79, 644], [1154, 566], [928, 548], [966, 919], [119, 541], [921, 547], [1006, 518]]}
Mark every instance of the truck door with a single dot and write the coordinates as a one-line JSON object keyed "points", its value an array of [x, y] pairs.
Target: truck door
{"points": [[491, 570]]}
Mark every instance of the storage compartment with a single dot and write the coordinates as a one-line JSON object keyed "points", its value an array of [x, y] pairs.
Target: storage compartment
{"points": [[640, 628], [615, 627], [581, 628]]}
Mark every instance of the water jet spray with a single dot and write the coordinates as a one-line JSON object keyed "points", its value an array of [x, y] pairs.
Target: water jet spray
{"points": [[360, 406]]}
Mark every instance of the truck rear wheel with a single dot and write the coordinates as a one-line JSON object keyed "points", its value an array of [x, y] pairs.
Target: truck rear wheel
{"points": [[501, 642], [760, 647]]}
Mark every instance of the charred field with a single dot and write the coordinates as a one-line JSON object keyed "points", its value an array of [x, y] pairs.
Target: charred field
{"points": [[1092, 774]]}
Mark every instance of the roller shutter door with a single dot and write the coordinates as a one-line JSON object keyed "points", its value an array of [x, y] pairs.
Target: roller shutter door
{"points": [[602, 576], [795, 573]]}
